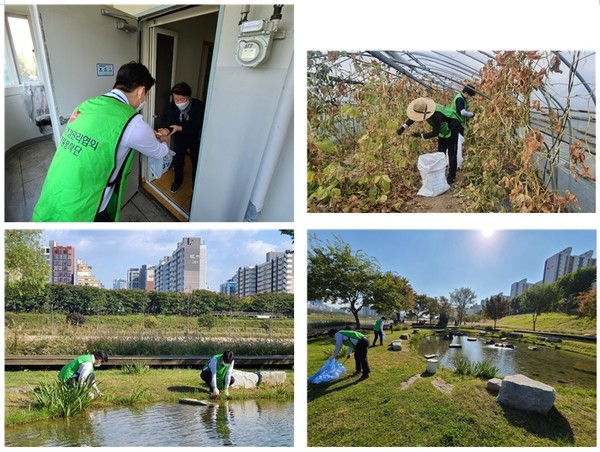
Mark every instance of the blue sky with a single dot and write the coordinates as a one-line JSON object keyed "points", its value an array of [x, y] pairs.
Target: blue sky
{"points": [[112, 252], [438, 261]]}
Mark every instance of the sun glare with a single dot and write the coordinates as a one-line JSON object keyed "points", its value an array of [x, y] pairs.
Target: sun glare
{"points": [[487, 233]]}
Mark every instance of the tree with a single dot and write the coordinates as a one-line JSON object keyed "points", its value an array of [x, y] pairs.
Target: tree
{"points": [[462, 299], [421, 306], [587, 303], [496, 307], [445, 311], [572, 284], [391, 293], [433, 308], [338, 275], [539, 299], [25, 266]]}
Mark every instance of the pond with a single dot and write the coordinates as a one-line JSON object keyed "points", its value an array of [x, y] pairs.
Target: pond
{"points": [[546, 364], [251, 423]]}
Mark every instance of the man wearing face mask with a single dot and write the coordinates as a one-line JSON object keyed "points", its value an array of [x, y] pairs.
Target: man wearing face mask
{"points": [[185, 117], [88, 175], [81, 370]]}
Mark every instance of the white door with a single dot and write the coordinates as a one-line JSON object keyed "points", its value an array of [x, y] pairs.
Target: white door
{"points": [[83, 46], [162, 65]]}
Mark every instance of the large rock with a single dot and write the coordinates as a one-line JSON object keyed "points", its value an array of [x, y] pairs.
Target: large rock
{"points": [[494, 385], [405, 336], [271, 378], [396, 346], [523, 393], [244, 379]]}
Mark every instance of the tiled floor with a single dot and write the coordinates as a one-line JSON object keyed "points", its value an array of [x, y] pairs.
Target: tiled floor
{"points": [[25, 172]]}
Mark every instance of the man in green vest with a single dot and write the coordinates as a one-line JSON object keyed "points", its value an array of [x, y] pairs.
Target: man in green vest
{"points": [[88, 175], [81, 370], [444, 125], [378, 330], [217, 373], [357, 343], [459, 107]]}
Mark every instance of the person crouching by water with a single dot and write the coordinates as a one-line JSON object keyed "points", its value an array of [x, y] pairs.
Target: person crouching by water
{"points": [[81, 370], [358, 344], [217, 373]]}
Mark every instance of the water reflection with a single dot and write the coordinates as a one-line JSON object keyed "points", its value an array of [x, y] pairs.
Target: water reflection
{"points": [[249, 423], [546, 364]]}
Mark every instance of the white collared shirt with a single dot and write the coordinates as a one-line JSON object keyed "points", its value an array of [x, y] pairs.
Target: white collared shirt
{"points": [[137, 135]]}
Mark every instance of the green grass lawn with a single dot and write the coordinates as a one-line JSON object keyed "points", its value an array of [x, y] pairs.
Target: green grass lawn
{"points": [[119, 388], [379, 412], [551, 322]]}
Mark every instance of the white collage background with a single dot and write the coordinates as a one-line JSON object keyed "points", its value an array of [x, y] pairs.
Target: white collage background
{"points": [[423, 25], [404, 25]]}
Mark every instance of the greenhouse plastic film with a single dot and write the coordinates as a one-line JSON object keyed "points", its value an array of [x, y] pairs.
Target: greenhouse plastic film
{"points": [[432, 167], [328, 372]]}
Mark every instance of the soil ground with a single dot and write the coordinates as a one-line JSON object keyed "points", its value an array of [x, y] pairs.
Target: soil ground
{"points": [[450, 201]]}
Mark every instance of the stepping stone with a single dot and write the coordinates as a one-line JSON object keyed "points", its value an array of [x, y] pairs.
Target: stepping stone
{"points": [[198, 402]]}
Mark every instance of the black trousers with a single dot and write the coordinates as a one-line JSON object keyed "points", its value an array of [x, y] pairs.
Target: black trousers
{"points": [[179, 158], [380, 335], [360, 356], [450, 145], [206, 376]]}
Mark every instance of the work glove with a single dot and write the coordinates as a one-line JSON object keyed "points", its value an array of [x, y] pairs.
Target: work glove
{"points": [[417, 134], [400, 131], [215, 392]]}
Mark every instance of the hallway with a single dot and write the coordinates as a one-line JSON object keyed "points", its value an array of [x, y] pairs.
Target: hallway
{"points": [[25, 172]]}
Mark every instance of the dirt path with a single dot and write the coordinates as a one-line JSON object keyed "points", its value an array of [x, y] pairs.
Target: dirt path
{"points": [[451, 201]]}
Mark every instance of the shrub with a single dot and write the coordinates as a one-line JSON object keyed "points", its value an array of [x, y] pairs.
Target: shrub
{"points": [[151, 322], [75, 318], [207, 321], [135, 368], [480, 369]]}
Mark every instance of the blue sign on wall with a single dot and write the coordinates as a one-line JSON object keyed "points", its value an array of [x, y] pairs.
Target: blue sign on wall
{"points": [[105, 69]]}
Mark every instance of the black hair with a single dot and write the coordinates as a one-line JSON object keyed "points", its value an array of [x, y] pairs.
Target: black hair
{"points": [[182, 89], [469, 89], [133, 75], [101, 355], [227, 356], [332, 332]]}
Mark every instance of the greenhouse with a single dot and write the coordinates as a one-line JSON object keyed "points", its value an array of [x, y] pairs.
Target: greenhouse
{"points": [[528, 146]]}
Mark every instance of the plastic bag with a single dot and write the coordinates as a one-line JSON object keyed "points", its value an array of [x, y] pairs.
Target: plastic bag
{"points": [[328, 372], [158, 167], [432, 167], [459, 156]]}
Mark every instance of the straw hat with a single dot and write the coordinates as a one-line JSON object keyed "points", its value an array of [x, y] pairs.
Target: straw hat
{"points": [[421, 109]]}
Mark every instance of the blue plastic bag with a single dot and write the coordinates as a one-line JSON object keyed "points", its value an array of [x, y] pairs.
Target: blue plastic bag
{"points": [[328, 372]]}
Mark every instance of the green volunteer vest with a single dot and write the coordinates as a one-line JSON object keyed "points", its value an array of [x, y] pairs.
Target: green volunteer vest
{"points": [[85, 161], [350, 334], [445, 131], [377, 326], [69, 369], [222, 370], [460, 117]]}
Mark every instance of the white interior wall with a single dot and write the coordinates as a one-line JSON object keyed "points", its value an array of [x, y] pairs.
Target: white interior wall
{"points": [[192, 33], [240, 111], [78, 37]]}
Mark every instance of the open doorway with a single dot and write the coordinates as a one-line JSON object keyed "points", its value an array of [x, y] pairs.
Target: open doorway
{"points": [[179, 48]]}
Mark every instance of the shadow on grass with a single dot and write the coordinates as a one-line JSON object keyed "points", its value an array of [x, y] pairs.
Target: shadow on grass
{"points": [[316, 391], [553, 425], [183, 389]]}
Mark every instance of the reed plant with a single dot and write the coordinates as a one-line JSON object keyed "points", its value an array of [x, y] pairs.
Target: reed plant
{"points": [[63, 399], [481, 369]]}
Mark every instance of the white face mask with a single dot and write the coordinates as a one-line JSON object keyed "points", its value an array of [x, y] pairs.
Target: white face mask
{"points": [[141, 106], [183, 105]]}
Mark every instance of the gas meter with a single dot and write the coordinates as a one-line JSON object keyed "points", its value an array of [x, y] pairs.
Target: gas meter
{"points": [[255, 37]]}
